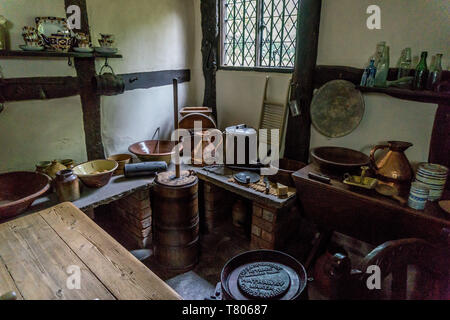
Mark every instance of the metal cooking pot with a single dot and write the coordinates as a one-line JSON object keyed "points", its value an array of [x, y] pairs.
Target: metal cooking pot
{"points": [[263, 275]]}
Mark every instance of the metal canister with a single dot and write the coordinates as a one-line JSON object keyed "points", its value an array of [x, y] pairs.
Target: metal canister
{"points": [[67, 186]]}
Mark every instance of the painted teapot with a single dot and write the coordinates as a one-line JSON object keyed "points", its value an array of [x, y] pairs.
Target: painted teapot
{"points": [[394, 166]]}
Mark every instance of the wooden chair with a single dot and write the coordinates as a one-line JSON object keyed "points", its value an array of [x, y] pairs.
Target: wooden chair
{"points": [[394, 258]]}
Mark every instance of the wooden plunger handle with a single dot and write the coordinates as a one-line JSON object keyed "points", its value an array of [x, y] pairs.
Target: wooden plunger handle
{"points": [[175, 103], [178, 171], [175, 120]]}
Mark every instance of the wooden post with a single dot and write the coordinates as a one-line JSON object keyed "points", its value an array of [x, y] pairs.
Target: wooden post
{"points": [[299, 128], [210, 44], [90, 101]]}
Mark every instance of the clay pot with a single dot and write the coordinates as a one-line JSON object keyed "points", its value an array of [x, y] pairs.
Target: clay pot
{"points": [[54, 168], [67, 186]]}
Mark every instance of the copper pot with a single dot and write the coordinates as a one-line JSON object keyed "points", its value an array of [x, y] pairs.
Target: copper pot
{"points": [[394, 166]]}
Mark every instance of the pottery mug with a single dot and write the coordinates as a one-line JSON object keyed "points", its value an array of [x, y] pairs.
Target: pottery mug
{"points": [[418, 196], [83, 40], [107, 40], [31, 37]]}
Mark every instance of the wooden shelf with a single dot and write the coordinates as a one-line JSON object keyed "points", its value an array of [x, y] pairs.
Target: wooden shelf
{"points": [[53, 54], [324, 74], [414, 95]]}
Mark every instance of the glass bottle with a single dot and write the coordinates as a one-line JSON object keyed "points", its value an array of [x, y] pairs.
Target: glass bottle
{"points": [[366, 74], [420, 78], [372, 72], [435, 73], [378, 53], [3, 31], [383, 69], [405, 64]]}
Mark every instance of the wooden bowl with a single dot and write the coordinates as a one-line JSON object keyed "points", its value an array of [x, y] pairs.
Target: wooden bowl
{"points": [[97, 173], [18, 190], [339, 159], [154, 150]]}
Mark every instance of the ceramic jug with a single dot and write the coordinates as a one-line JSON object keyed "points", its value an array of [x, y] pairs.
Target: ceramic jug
{"points": [[394, 166]]}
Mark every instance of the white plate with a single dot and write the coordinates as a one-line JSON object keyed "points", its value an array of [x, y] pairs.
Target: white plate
{"points": [[31, 48], [105, 50], [51, 25], [83, 50]]}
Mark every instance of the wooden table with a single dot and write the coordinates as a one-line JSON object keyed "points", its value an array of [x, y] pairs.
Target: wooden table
{"points": [[364, 214], [38, 250]]}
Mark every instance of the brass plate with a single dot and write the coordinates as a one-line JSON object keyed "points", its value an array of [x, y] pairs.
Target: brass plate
{"points": [[337, 109]]}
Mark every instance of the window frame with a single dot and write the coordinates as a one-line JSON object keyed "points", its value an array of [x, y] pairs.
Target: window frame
{"points": [[220, 45]]}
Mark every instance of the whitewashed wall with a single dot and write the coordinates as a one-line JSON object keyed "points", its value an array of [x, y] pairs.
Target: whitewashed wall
{"points": [[345, 40], [152, 35], [32, 131]]}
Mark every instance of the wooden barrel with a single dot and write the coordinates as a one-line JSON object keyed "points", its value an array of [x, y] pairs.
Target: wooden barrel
{"points": [[176, 221]]}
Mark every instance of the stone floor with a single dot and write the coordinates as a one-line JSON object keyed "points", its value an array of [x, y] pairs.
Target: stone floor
{"points": [[217, 248], [222, 244]]}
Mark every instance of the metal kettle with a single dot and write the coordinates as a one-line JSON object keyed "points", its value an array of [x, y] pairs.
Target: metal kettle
{"points": [[394, 166]]}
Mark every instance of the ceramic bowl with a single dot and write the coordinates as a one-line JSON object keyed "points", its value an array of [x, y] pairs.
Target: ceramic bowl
{"points": [[153, 150], [18, 190], [59, 42], [97, 173], [435, 177], [339, 159], [122, 160]]}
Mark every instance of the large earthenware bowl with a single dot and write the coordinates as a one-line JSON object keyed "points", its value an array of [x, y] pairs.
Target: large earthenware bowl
{"points": [[153, 150], [337, 159], [97, 173], [18, 190]]}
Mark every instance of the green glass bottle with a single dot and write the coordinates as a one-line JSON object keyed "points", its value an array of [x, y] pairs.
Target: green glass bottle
{"points": [[420, 79]]}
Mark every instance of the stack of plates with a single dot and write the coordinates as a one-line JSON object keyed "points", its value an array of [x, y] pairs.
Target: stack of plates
{"points": [[435, 177]]}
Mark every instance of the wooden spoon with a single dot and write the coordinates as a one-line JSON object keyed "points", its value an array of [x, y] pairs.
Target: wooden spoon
{"points": [[390, 191]]}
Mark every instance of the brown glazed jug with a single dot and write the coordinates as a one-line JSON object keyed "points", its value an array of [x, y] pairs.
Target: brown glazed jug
{"points": [[394, 166]]}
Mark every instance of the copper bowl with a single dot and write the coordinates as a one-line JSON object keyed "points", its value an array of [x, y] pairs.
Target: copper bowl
{"points": [[154, 150], [18, 190], [339, 159]]}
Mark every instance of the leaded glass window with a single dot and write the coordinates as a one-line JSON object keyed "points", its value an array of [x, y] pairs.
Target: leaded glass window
{"points": [[259, 33]]}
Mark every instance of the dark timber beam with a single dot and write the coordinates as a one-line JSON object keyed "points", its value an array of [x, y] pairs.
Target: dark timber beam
{"points": [[210, 45], [20, 89], [299, 128], [90, 101], [146, 80]]}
